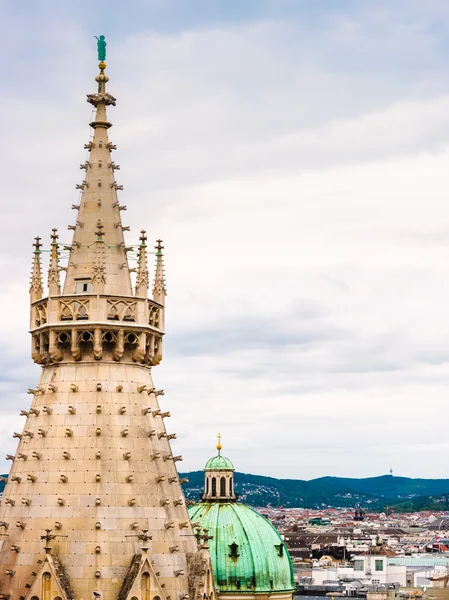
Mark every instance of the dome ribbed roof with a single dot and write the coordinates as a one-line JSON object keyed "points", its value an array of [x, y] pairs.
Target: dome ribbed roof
{"points": [[219, 463], [260, 563]]}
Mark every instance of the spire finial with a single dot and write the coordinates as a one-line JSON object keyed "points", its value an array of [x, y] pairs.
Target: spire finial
{"points": [[54, 283], [159, 291], [219, 446], [102, 98], [36, 289], [142, 272]]}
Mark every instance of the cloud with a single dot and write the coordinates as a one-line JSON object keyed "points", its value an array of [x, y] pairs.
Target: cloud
{"points": [[303, 325], [294, 160]]}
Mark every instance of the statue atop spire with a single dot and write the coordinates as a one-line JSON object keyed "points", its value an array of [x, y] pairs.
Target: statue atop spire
{"points": [[101, 48]]}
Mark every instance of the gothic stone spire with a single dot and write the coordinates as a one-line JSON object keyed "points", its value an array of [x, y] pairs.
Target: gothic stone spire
{"points": [[94, 464]]}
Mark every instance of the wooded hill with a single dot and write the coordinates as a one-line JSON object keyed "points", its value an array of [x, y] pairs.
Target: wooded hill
{"points": [[373, 493], [402, 494]]}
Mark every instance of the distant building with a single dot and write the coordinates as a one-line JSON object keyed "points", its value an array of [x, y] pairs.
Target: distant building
{"points": [[431, 570], [319, 521], [375, 569], [359, 514], [366, 570], [441, 524]]}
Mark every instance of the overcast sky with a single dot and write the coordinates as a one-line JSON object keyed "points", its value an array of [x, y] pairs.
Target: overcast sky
{"points": [[294, 157]]}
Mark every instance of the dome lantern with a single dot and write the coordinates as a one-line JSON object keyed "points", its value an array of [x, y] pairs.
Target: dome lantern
{"points": [[219, 478]]}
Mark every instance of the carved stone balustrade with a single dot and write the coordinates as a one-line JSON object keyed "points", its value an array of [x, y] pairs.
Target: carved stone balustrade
{"points": [[95, 326]]}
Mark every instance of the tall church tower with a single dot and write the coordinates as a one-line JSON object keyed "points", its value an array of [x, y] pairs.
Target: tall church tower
{"points": [[93, 506]]}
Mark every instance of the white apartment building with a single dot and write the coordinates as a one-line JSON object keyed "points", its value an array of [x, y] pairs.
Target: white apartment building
{"points": [[367, 569]]}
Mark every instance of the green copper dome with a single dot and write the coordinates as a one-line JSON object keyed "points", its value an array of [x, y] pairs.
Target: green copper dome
{"points": [[247, 553], [219, 463]]}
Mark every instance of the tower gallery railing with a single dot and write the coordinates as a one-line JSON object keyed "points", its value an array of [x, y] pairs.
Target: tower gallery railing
{"points": [[96, 326]]}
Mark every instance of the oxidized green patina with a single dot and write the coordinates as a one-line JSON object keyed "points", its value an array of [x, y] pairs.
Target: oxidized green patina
{"points": [[101, 47], [219, 463], [247, 553]]}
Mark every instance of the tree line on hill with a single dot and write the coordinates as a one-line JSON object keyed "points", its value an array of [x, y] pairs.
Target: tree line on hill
{"points": [[402, 494]]}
